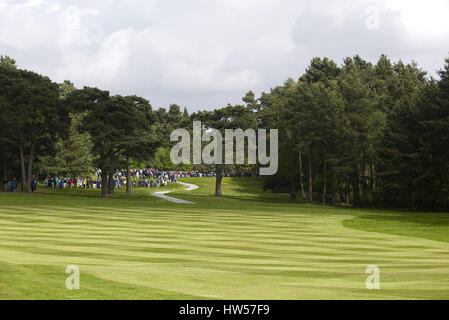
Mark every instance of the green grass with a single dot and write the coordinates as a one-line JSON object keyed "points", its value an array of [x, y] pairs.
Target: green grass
{"points": [[249, 244]]}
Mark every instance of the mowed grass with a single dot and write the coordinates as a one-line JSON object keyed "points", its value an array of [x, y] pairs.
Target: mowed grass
{"points": [[249, 244]]}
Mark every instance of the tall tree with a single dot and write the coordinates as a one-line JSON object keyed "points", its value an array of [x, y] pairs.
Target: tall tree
{"points": [[229, 117], [139, 140], [359, 109], [100, 122], [400, 153], [32, 114]]}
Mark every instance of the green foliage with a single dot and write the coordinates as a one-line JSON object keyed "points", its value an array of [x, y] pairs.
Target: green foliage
{"points": [[358, 133], [7, 62], [368, 134], [32, 118], [73, 157], [161, 159]]}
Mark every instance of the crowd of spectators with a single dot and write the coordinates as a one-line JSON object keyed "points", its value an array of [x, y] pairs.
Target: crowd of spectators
{"points": [[140, 178]]}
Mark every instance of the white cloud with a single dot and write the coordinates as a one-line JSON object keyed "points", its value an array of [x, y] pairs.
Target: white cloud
{"points": [[206, 53], [423, 18]]}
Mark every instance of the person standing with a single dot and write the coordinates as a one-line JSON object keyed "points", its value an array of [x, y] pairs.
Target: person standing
{"points": [[34, 185]]}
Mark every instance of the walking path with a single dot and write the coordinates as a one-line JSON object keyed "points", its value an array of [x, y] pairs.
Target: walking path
{"points": [[162, 194]]}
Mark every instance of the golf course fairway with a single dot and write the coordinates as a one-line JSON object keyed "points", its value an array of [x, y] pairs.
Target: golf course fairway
{"points": [[248, 244]]}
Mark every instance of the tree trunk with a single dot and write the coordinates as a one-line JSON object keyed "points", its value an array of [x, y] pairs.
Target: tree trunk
{"points": [[325, 177], [30, 166], [218, 179], [364, 177], [300, 176], [342, 198], [6, 172], [128, 176], [347, 192], [333, 193], [22, 167], [310, 179], [104, 184], [111, 183], [356, 191], [411, 201], [292, 189]]}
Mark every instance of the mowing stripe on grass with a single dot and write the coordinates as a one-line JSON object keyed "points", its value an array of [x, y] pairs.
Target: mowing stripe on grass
{"points": [[224, 249]]}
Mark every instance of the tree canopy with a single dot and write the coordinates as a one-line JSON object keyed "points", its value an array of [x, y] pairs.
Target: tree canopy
{"points": [[358, 134]]}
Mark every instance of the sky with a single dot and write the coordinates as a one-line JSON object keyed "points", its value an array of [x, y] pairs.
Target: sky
{"points": [[204, 54]]}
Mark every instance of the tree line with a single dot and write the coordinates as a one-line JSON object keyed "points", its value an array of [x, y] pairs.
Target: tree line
{"points": [[363, 134], [56, 129], [358, 134]]}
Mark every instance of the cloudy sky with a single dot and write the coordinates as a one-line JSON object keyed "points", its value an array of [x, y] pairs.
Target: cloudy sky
{"points": [[206, 53]]}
